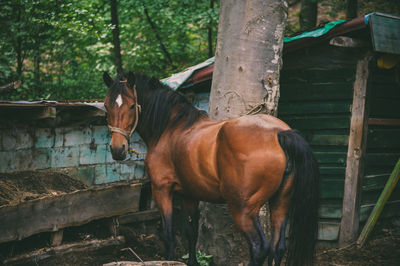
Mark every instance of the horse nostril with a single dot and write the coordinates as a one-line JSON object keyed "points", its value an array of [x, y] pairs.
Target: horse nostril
{"points": [[123, 147]]}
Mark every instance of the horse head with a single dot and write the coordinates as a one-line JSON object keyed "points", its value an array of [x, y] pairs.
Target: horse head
{"points": [[122, 112]]}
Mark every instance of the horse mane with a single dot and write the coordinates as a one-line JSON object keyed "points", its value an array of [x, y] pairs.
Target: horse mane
{"points": [[158, 100]]}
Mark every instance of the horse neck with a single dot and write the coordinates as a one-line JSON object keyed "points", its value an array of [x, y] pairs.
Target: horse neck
{"points": [[145, 133]]}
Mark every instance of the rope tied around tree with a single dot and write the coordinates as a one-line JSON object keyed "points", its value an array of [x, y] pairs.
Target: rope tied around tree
{"points": [[262, 107]]}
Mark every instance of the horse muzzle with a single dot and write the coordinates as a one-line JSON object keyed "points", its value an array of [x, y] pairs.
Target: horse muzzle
{"points": [[118, 153]]}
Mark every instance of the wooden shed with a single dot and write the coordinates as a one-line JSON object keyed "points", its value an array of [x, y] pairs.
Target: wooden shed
{"points": [[340, 86]]}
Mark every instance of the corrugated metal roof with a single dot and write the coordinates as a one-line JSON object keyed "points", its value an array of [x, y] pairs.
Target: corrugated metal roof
{"points": [[93, 103]]}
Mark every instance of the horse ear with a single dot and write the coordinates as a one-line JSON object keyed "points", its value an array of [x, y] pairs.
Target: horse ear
{"points": [[107, 79], [131, 79]]}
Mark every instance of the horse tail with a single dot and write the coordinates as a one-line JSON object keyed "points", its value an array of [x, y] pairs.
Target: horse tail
{"points": [[303, 212]]}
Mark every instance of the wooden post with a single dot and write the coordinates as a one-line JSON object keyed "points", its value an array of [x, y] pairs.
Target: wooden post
{"points": [[355, 154], [114, 226], [56, 238]]}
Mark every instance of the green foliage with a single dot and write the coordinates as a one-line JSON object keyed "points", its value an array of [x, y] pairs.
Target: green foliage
{"points": [[202, 258], [59, 49], [331, 10]]}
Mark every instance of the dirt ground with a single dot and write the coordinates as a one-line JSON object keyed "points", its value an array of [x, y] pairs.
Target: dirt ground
{"points": [[28, 185], [383, 248]]}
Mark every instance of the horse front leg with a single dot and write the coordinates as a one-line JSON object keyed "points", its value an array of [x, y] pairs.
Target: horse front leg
{"points": [[192, 227], [163, 198]]}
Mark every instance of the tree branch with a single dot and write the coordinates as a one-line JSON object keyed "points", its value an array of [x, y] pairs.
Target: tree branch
{"points": [[10, 86], [154, 28], [115, 32]]}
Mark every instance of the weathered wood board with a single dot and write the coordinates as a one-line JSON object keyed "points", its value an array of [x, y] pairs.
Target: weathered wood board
{"points": [[148, 263], [44, 253], [55, 212]]}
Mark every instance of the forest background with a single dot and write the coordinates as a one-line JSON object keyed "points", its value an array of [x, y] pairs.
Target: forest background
{"points": [[59, 49]]}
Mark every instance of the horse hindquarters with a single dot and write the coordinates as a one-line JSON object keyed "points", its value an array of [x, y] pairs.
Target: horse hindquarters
{"points": [[304, 201]]}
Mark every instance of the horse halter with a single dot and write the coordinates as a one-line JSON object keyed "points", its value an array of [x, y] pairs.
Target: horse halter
{"points": [[138, 109]]}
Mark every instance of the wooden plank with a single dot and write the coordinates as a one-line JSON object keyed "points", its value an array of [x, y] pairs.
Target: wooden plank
{"points": [[390, 90], [374, 182], [312, 122], [330, 211], [311, 76], [334, 140], [55, 212], [332, 189], [320, 107], [322, 56], [315, 92], [146, 263], [141, 216], [387, 191], [328, 231], [372, 196], [384, 139], [385, 108], [332, 170], [384, 121], [331, 157], [331, 149], [44, 253], [355, 156], [391, 210], [382, 159]]}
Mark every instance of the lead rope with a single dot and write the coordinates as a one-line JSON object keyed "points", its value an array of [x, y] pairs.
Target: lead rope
{"points": [[125, 133]]}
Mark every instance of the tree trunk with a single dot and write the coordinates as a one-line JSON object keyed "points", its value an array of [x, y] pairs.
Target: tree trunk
{"points": [[308, 14], [210, 42], [115, 32], [36, 61], [351, 9], [245, 80], [18, 48]]}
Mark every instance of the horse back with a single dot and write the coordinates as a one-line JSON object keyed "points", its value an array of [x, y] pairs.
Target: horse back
{"points": [[206, 154]]}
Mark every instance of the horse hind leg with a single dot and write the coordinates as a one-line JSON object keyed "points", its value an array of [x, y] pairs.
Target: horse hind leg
{"points": [[192, 225], [258, 243], [279, 207]]}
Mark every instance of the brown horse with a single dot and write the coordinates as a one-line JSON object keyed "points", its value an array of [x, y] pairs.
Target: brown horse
{"points": [[243, 162]]}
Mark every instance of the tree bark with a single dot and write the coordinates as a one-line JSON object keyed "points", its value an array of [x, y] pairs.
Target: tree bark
{"points": [[351, 9], [115, 33], [308, 14], [245, 80]]}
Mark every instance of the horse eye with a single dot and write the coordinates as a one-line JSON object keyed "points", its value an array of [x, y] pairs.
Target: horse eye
{"points": [[132, 106]]}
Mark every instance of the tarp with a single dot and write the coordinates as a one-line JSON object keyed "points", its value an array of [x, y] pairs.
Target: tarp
{"points": [[315, 33]]}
